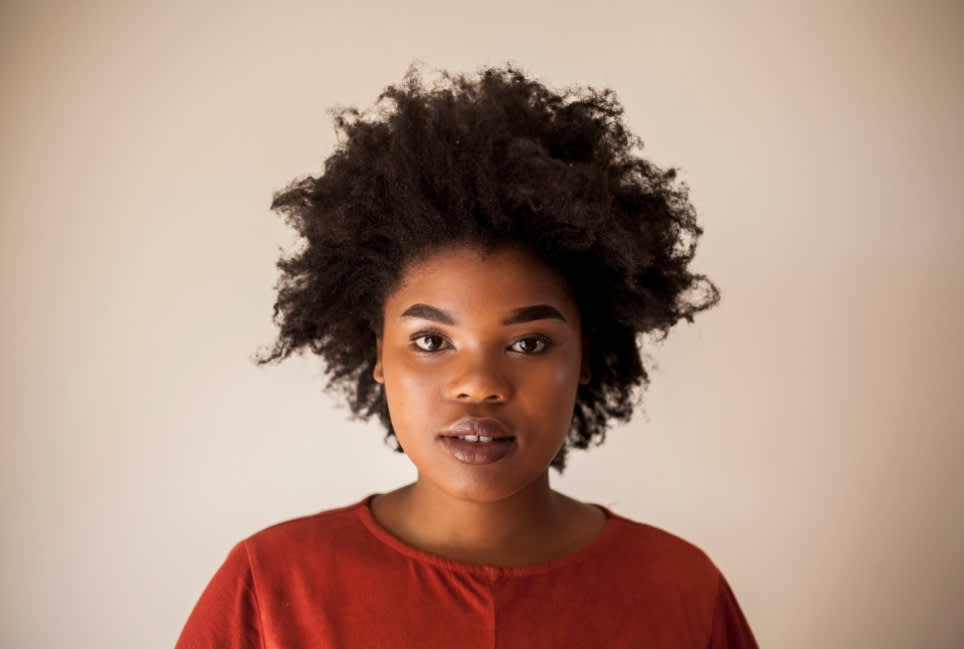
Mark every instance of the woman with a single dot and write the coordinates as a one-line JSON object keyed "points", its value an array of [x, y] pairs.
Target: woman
{"points": [[480, 259]]}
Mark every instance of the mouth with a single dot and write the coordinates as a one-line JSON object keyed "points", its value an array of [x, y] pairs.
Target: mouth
{"points": [[478, 440], [478, 429]]}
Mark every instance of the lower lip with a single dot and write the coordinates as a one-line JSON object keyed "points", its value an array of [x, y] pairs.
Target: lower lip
{"points": [[478, 452]]}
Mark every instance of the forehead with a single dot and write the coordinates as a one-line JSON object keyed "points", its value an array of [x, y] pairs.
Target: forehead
{"points": [[464, 279]]}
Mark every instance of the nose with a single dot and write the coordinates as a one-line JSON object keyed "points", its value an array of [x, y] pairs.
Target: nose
{"points": [[479, 378]]}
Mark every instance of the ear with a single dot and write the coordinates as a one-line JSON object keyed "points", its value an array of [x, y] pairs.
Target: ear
{"points": [[377, 373], [585, 374]]}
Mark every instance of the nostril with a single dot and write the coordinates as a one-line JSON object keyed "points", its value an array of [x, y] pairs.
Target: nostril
{"points": [[463, 396]]}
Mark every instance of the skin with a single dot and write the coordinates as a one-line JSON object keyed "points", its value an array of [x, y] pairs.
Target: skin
{"points": [[450, 349]]}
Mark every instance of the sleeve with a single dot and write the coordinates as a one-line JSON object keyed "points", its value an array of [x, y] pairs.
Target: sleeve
{"points": [[730, 628], [226, 616]]}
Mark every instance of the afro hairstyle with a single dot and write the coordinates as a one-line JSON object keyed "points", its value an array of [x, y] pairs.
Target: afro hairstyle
{"points": [[491, 159]]}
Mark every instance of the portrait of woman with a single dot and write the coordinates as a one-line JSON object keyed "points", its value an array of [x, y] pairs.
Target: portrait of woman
{"points": [[480, 259], [481, 324]]}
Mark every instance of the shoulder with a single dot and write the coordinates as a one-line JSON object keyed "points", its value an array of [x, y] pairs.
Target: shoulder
{"points": [[284, 558], [661, 557], [679, 580], [309, 541], [320, 527], [658, 542]]}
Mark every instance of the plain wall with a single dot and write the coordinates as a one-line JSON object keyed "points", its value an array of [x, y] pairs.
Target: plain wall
{"points": [[806, 433]]}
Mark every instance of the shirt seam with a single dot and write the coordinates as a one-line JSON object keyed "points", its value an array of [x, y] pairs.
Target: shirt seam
{"points": [[494, 581], [254, 590], [716, 606]]}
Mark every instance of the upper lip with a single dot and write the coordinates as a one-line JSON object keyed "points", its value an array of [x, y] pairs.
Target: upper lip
{"points": [[481, 426]]}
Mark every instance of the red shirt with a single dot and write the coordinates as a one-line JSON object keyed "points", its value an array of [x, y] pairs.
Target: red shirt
{"points": [[337, 579]]}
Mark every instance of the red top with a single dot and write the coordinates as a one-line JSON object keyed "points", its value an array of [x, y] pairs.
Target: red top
{"points": [[337, 579]]}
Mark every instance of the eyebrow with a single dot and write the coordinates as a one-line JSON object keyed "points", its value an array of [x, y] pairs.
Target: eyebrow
{"points": [[534, 312], [426, 312], [522, 314]]}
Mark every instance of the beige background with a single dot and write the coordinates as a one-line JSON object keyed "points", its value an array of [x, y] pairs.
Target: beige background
{"points": [[807, 433]]}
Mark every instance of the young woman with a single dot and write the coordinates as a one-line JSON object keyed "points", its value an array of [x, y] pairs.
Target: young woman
{"points": [[480, 258]]}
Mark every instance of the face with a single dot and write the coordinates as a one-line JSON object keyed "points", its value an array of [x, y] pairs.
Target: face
{"points": [[481, 356]]}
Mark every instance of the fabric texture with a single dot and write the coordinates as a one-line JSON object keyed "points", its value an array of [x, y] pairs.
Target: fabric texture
{"points": [[338, 580]]}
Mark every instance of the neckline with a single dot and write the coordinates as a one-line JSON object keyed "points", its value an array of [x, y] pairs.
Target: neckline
{"points": [[595, 546]]}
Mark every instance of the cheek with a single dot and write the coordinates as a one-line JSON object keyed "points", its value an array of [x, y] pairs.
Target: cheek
{"points": [[412, 395], [551, 382], [550, 390], [564, 374]]}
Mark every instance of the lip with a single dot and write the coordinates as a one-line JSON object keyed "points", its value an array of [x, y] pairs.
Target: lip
{"points": [[481, 426], [501, 444]]}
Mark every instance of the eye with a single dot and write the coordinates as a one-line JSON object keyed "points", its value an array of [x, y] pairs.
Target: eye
{"points": [[429, 342], [530, 345]]}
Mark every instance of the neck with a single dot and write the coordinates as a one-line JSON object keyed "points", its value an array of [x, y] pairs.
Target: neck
{"points": [[533, 525]]}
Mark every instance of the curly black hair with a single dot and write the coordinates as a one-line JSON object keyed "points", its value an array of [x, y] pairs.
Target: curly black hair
{"points": [[488, 160]]}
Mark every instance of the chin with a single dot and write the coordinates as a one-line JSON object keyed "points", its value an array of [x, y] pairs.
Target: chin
{"points": [[480, 488]]}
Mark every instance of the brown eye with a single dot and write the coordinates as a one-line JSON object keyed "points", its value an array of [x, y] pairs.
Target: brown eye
{"points": [[529, 346], [429, 342]]}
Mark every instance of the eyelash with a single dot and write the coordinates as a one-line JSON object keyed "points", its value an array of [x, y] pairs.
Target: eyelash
{"points": [[545, 342]]}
